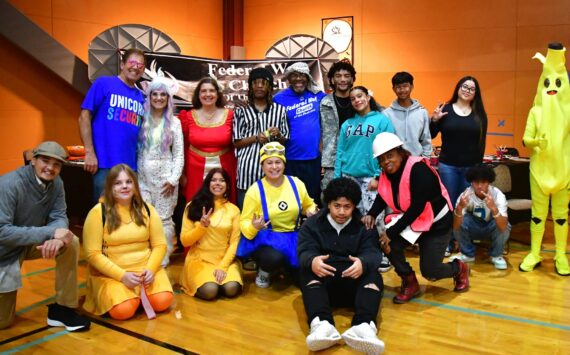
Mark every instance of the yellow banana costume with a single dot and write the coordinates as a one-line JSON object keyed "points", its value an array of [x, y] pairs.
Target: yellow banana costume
{"points": [[547, 133]]}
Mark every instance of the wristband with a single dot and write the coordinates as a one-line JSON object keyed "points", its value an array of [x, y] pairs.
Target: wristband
{"points": [[457, 215], [497, 215]]}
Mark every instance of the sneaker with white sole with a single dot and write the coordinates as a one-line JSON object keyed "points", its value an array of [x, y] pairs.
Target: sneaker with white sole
{"points": [[263, 279], [61, 316], [322, 335], [499, 262], [363, 338], [249, 264], [462, 257], [385, 265]]}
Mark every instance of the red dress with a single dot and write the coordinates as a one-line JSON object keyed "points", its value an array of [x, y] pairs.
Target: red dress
{"points": [[207, 147]]}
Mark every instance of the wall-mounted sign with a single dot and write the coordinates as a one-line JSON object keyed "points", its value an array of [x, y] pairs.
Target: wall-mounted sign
{"points": [[337, 32], [231, 74]]}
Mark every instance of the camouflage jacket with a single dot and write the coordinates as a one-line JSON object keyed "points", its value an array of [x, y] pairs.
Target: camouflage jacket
{"points": [[329, 131]]}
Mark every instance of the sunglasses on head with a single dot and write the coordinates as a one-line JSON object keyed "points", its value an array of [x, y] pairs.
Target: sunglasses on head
{"points": [[272, 150]]}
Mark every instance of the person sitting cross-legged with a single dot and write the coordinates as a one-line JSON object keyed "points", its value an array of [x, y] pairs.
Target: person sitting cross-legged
{"points": [[481, 213], [339, 261]]}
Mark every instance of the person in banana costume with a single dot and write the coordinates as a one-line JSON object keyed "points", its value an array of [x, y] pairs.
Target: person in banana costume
{"points": [[547, 133]]}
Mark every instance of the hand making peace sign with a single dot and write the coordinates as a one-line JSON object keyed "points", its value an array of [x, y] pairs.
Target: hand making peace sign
{"points": [[258, 222], [205, 220], [438, 113]]}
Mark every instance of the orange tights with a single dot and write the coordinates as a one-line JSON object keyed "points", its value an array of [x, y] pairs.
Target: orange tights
{"points": [[125, 310]]}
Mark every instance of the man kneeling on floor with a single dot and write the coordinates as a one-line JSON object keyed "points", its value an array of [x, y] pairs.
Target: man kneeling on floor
{"points": [[481, 213], [33, 224], [339, 261]]}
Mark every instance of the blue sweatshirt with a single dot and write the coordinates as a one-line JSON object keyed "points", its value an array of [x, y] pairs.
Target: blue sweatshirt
{"points": [[354, 150], [304, 123]]}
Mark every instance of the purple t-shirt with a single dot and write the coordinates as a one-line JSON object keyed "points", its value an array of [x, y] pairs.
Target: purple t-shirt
{"points": [[304, 123], [117, 111]]}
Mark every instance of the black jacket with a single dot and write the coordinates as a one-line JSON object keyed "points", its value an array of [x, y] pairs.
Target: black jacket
{"points": [[318, 237]]}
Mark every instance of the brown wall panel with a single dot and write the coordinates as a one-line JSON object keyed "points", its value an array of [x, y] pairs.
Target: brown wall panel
{"points": [[36, 105], [543, 12], [535, 39], [421, 15], [438, 41]]}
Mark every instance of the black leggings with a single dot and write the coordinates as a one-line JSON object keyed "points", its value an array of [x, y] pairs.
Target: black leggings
{"points": [[211, 290], [338, 291], [269, 259], [432, 250]]}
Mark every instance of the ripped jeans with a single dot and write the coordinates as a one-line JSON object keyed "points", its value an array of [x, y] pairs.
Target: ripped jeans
{"points": [[363, 294]]}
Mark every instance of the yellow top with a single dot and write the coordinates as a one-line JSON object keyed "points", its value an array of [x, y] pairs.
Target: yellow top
{"points": [[281, 205], [216, 244], [128, 248]]}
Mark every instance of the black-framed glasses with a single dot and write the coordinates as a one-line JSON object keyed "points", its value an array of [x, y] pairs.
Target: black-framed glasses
{"points": [[468, 88]]}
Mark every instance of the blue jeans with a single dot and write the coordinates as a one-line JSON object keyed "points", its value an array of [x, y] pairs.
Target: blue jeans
{"points": [[453, 178], [99, 183], [474, 228]]}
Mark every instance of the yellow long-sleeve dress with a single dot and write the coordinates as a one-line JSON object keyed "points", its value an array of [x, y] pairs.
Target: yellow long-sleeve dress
{"points": [[128, 248], [211, 248]]}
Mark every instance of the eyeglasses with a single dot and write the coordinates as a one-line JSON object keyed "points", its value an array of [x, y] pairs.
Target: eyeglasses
{"points": [[467, 88], [136, 64], [272, 149]]}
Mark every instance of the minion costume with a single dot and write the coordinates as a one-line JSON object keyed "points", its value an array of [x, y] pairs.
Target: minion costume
{"points": [[547, 133], [282, 206]]}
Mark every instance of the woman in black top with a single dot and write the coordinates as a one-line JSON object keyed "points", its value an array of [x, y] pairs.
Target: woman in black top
{"points": [[462, 122], [413, 191]]}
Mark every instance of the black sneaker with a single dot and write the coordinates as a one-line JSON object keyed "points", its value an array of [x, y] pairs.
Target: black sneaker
{"points": [[61, 316], [249, 264], [385, 265]]}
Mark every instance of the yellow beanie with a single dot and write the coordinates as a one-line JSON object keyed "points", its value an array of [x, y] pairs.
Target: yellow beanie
{"points": [[270, 150]]}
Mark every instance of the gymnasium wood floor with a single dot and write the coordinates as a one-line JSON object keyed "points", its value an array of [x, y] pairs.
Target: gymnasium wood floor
{"points": [[504, 312]]}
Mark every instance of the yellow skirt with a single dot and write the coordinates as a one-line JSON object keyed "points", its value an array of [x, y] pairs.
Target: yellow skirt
{"points": [[197, 272], [103, 293]]}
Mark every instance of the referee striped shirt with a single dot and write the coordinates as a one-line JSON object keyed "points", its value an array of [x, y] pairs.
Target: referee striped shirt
{"points": [[250, 122]]}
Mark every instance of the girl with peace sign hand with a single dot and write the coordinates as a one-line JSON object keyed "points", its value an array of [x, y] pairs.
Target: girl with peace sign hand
{"points": [[211, 229]]}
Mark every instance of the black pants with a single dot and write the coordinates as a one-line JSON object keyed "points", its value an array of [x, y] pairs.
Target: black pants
{"points": [[432, 251], [240, 198], [336, 291]]}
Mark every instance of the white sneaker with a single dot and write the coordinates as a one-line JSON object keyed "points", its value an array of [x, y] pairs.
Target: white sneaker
{"points": [[263, 279], [363, 338], [499, 262], [322, 335], [462, 257]]}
